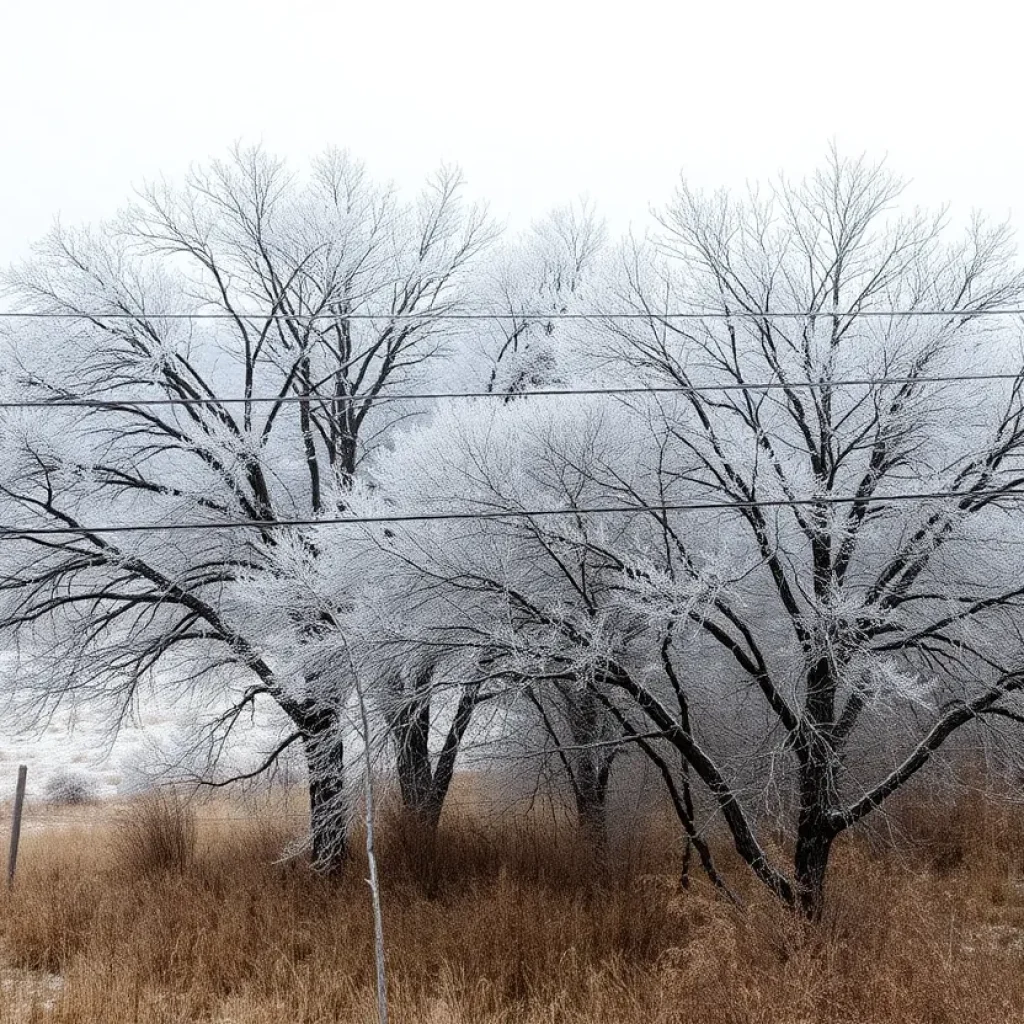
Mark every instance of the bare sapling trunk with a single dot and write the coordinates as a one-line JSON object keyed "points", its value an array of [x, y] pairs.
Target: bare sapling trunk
{"points": [[380, 959]]}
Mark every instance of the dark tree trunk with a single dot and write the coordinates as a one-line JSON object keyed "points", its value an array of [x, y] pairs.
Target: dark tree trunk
{"points": [[815, 829], [591, 772], [412, 742], [813, 848], [328, 812], [423, 783], [685, 789], [444, 770], [586, 762], [591, 765]]}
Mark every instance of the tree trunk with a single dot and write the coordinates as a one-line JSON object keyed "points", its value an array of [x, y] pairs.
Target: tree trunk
{"points": [[328, 811], [813, 848], [816, 755], [815, 832], [424, 785], [591, 773], [412, 743], [591, 765], [687, 796]]}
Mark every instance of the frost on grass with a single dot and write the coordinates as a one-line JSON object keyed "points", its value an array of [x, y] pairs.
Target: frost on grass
{"points": [[25, 993]]}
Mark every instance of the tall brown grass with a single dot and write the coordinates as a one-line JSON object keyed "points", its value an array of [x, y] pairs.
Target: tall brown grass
{"points": [[174, 920], [156, 836]]}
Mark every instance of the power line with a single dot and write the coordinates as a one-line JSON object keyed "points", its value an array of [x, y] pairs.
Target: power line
{"points": [[140, 403], [741, 314], [418, 517]]}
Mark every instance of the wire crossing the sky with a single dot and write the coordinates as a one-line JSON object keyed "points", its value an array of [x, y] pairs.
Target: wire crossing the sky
{"points": [[71, 401], [63, 402], [427, 314], [988, 495]]}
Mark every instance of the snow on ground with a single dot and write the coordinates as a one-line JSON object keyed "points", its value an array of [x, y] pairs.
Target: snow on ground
{"points": [[140, 754], [25, 992], [144, 751]]}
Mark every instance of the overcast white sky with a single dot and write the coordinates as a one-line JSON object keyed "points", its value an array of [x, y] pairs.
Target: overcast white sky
{"points": [[538, 101]]}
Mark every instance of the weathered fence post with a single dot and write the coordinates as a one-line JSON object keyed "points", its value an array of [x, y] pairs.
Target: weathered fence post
{"points": [[19, 803]]}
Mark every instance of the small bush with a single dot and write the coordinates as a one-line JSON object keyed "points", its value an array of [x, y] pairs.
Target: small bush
{"points": [[156, 835], [69, 788]]}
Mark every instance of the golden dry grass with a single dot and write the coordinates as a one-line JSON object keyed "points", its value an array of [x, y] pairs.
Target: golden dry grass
{"points": [[503, 922]]}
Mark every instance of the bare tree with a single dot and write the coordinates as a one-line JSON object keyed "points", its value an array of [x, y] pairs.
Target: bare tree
{"points": [[818, 532], [527, 285], [308, 301], [872, 599], [537, 603]]}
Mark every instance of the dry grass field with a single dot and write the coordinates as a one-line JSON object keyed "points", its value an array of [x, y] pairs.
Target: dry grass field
{"points": [[150, 912]]}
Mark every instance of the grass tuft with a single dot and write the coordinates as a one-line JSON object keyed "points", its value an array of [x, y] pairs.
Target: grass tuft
{"points": [[155, 835]]}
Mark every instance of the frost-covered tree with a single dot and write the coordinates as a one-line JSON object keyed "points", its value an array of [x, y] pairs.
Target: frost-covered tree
{"points": [[237, 333], [524, 289], [819, 530], [532, 602], [876, 522], [527, 287], [790, 572]]}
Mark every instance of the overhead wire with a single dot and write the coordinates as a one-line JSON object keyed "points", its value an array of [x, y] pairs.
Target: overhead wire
{"points": [[99, 403], [680, 389], [739, 314], [417, 517], [75, 402]]}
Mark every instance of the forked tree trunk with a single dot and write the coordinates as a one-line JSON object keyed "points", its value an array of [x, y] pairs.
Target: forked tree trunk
{"points": [[423, 781]]}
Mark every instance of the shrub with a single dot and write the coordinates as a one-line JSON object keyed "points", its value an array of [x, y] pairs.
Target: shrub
{"points": [[69, 788]]}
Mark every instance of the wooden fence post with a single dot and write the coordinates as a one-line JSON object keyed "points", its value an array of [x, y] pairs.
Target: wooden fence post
{"points": [[19, 803]]}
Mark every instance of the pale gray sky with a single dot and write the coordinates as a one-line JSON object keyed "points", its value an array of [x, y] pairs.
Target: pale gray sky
{"points": [[538, 101]]}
